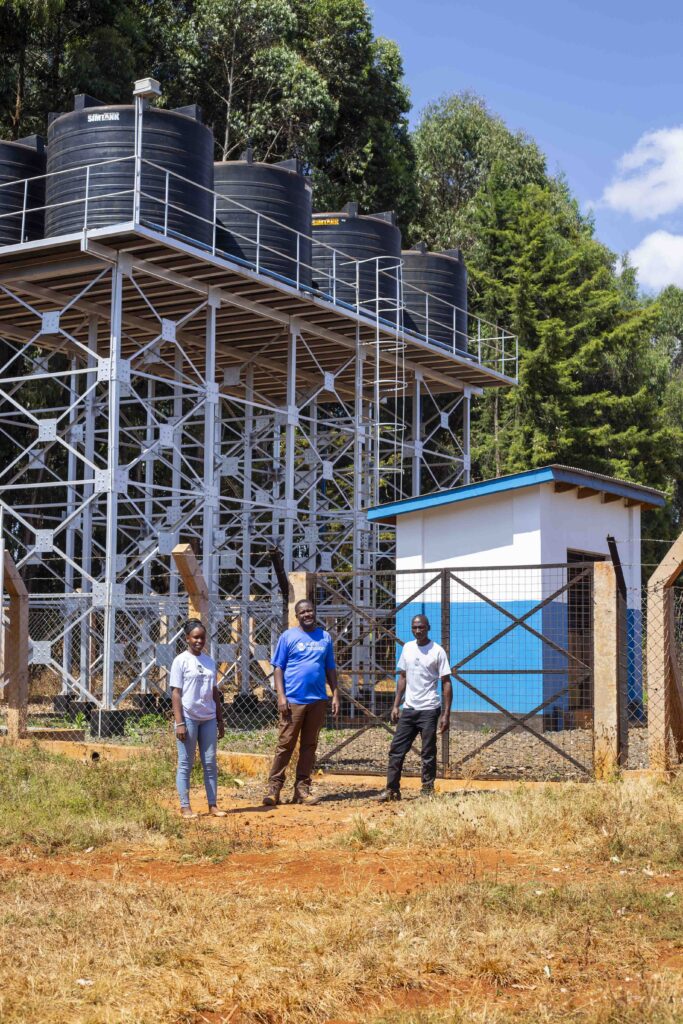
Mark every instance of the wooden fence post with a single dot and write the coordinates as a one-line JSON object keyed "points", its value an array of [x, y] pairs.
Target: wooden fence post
{"points": [[16, 652], [300, 584], [664, 689], [606, 673], [193, 581]]}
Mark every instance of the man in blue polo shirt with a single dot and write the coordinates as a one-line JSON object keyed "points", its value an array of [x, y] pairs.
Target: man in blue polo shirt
{"points": [[303, 663]]}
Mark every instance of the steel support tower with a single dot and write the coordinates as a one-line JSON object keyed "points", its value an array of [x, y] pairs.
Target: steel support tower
{"points": [[153, 392]]}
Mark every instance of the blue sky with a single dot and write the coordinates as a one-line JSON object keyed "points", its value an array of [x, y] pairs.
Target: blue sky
{"points": [[597, 84]]}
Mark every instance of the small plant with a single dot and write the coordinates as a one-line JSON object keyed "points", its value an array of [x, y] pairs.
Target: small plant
{"points": [[144, 727], [362, 834]]}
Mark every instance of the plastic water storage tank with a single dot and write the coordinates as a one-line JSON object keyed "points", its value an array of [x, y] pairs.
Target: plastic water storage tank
{"points": [[282, 195], [19, 161], [434, 283], [372, 239], [174, 140]]}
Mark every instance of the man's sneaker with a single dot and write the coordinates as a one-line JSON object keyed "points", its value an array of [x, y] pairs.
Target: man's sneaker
{"points": [[271, 798], [428, 792], [387, 795]]}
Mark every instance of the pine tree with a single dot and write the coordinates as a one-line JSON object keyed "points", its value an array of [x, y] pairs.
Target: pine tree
{"points": [[591, 380]]}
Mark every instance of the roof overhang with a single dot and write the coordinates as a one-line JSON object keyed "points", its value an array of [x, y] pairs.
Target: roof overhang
{"points": [[564, 479]]}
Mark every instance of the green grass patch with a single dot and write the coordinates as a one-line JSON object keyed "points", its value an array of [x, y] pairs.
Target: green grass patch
{"points": [[51, 803]]}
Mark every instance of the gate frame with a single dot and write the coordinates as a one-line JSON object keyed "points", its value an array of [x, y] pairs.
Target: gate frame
{"points": [[605, 671]]}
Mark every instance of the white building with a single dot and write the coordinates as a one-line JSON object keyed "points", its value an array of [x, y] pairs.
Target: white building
{"points": [[515, 537]]}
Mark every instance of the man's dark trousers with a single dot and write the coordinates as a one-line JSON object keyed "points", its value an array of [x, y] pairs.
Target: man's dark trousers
{"points": [[411, 724]]}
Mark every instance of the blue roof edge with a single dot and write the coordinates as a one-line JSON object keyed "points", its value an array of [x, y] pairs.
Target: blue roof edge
{"points": [[516, 481]]}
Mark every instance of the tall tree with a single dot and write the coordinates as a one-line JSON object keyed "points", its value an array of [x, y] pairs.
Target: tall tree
{"points": [[302, 78], [50, 49], [364, 152], [240, 60], [594, 380], [458, 142]]}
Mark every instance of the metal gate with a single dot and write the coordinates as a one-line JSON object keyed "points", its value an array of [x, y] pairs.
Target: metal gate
{"points": [[520, 644]]}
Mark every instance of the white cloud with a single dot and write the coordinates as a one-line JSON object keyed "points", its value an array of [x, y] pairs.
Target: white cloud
{"points": [[649, 180], [659, 260]]}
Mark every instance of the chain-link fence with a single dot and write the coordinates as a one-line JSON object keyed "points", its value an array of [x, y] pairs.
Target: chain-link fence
{"points": [[519, 641], [651, 691]]}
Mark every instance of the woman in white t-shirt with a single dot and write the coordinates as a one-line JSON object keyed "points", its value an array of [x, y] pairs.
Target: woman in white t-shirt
{"points": [[198, 717]]}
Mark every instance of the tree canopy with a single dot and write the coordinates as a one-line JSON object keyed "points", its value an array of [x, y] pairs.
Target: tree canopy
{"points": [[600, 368], [601, 372]]}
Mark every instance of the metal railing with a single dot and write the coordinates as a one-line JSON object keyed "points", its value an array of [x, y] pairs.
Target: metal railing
{"points": [[335, 276]]}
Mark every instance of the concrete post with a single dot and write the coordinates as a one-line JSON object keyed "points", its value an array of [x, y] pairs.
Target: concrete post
{"points": [[605, 670], [664, 690], [16, 652]]}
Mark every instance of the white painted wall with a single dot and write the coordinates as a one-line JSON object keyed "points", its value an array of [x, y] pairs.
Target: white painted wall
{"points": [[498, 529], [582, 524], [531, 526], [495, 530]]}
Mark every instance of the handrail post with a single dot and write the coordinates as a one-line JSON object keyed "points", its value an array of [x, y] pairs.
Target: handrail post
{"points": [[258, 242], [166, 203], [87, 198], [334, 275], [23, 212], [298, 257], [215, 219], [137, 181]]}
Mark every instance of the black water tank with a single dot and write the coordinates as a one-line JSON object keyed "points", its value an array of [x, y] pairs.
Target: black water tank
{"points": [[374, 241], [433, 284], [19, 161], [175, 141], [282, 195]]}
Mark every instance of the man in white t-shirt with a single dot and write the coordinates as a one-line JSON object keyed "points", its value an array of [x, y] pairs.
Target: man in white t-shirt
{"points": [[422, 665]]}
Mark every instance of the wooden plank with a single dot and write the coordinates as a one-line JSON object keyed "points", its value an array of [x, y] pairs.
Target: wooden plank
{"points": [[299, 590], [193, 581], [16, 652]]}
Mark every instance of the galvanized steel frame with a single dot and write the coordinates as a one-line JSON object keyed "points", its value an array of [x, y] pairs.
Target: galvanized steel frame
{"points": [[185, 409]]}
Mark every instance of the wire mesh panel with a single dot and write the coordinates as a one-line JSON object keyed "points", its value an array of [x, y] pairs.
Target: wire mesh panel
{"points": [[520, 645], [635, 697], [654, 658], [519, 641], [65, 672]]}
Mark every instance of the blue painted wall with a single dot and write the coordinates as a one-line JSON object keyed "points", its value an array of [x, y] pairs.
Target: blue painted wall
{"points": [[547, 672]]}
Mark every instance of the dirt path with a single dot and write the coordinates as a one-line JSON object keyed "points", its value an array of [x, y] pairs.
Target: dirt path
{"points": [[280, 849]]}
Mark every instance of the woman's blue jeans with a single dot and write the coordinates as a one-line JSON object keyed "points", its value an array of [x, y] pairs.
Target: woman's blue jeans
{"points": [[205, 734]]}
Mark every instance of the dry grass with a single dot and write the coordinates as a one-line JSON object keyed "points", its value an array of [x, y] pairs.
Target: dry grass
{"points": [[472, 950], [659, 1002], [630, 820], [159, 954]]}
